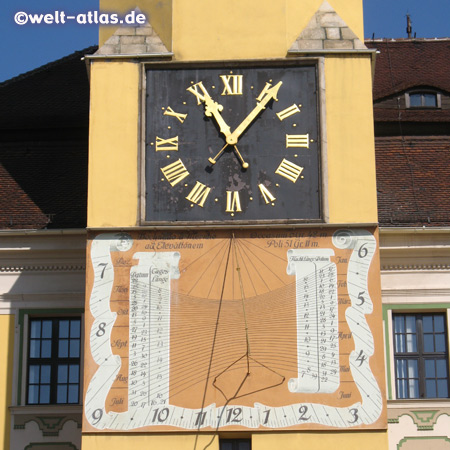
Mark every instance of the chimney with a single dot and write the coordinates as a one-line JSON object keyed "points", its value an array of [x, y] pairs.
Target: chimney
{"points": [[408, 26]]}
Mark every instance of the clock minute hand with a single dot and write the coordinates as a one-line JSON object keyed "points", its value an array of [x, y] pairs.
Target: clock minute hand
{"points": [[266, 95]]}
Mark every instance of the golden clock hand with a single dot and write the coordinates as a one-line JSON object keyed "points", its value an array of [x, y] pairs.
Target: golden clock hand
{"points": [[267, 95], [213, 108], [244, 164], [214, 160]]}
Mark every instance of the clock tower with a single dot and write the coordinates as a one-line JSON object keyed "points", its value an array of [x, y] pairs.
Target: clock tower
{"points": [[232, 285]]}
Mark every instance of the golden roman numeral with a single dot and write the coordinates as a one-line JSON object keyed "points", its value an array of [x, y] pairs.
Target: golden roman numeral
{"points": [[170, 112], [232, 84], [194, 89], [263, 92], [198, 194], [297, 140], [267, 196], [233, 202], [175, 172], [289, 170], [166, 144], [288, 112]]}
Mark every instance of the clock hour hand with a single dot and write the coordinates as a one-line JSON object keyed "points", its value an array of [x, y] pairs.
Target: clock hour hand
{"points": [[213, 109], [267, 94]]}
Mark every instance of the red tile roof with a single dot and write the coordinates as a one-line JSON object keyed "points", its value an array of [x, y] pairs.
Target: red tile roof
{"points": [[405, 63], [44, 146], [413, 180], [17, 210]]}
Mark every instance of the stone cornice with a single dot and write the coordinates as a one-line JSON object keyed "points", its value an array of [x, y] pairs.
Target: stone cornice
{"points": [[20, 268]]}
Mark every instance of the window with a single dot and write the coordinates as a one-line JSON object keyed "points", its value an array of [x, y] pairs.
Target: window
{"points": [[53, 375], [421, 355], [235, 444], [423, 100]]}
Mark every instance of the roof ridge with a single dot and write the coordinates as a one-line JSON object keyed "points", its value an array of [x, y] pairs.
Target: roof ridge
{"points": [[88, 50]]}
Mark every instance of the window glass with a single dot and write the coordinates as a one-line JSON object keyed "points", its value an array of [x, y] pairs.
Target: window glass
{"points": [[415, 100], [53, 375], [421, 359], [430, 100]]}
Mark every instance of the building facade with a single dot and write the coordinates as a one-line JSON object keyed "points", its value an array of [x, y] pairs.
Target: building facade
{"points": [[193, 324]]}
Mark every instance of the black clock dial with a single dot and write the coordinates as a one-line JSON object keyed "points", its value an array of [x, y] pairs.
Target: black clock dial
{"points": [[232, 144]]}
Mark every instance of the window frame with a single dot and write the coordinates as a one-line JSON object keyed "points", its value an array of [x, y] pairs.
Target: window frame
{"points": [[422, 93], [20, 396], [420, 355], [235, 442]]}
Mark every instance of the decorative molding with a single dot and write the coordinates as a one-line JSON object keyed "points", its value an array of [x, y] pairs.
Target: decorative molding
{"points": [[415, 267], [326, 31], [424, 419], [138, 40], [43, 268], [49, 424]]}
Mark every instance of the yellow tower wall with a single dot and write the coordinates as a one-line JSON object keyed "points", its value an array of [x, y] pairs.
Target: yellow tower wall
{"points": [[223, 31], [6, 367]]}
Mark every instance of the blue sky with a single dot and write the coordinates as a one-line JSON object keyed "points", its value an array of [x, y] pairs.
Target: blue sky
{"points": [[23, 48]]}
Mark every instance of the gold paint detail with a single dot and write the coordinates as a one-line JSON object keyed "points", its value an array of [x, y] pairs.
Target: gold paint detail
{"points": [[170, 144], [289, 170], [195, 90], [233, 202], [291, 110], [232, 84], [170, 112], [198, 194], [267, 195], [175, 172], [297, 140], [267, 94]]}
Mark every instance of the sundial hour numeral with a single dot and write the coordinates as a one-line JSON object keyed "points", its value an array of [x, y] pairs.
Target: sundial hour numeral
{"points": [[175, 172], [289, 170], [233, 202], [297, 140], [267, 196], [198, 194], [170, 112], [294, 109], [170, 144], [195, 89], [232, 84]]}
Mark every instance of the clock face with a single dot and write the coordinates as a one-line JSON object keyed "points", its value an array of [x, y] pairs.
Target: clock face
{"points": [[232, 144]]}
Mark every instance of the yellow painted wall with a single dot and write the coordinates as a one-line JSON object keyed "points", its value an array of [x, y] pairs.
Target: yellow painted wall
{"points": [[6, 366], [351, 147], [320, 441], [260, 441], [113, 144], [153, 442]]}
